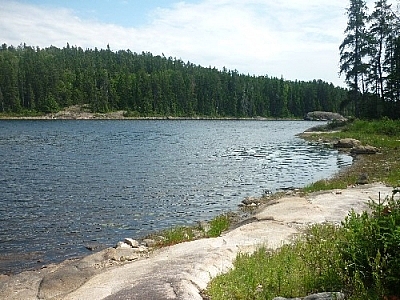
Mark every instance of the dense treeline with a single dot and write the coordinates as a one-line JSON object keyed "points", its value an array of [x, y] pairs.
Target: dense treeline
{"points": [[370, 59], [47, 80]]}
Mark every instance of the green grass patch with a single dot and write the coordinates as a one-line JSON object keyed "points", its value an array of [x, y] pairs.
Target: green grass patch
{"points": [[218, 225], [176, 235], [180, 234], [309, 264]]}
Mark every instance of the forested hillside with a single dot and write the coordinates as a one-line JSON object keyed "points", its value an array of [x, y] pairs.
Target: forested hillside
{"points": [[47, 80]]}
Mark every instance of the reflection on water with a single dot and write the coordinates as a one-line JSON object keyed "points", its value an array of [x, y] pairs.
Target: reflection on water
{"points": [[67, 183]]}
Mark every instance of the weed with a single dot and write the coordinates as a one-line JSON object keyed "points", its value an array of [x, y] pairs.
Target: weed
{"points": [[309, 264], [218, 225]]}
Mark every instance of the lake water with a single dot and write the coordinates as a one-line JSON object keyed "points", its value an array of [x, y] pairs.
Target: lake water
{"points": [[64, 184]]}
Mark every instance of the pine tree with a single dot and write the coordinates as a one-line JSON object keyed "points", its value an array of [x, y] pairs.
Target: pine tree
{"points": [[354, 48], [380, 29]]}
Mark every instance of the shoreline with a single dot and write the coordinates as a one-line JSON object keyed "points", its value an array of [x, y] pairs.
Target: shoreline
{"points": [[185, 268], [109, 118], [82, 112]]}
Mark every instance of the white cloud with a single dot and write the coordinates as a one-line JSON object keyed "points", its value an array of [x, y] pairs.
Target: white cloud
{"points": [[296, 39]]}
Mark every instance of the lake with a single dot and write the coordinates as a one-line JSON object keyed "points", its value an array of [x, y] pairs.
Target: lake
{"points": [[64, 184]]}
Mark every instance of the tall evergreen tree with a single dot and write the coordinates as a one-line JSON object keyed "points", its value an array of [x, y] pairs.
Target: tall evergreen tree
{"points": [[354, 49], [381, 26]]}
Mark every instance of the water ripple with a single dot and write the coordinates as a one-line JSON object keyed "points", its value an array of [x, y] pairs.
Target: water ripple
{"points": [[66, 183]]}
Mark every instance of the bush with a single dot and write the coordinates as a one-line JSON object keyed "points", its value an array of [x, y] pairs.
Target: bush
{"points": [[370, 250]]}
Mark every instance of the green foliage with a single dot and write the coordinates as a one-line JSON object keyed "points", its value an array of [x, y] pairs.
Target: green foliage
{"points": [[370, 249], [177, 235], [309, 264], [45, 80], [325, 185], [218, 225], [182, 234], [370, 60], [383, 127]]}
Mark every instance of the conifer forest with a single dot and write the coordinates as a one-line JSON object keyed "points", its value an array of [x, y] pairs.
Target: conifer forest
{"points": [[47, 80]]}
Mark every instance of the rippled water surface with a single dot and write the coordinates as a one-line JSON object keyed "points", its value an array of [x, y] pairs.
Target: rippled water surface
{"points": [[64, 184]]}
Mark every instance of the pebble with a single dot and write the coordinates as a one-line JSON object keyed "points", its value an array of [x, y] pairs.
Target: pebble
{"points": [[133, 243]]}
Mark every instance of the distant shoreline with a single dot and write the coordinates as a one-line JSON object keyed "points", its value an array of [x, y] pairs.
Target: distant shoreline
{"points": [[119, 116], [82, 112]]}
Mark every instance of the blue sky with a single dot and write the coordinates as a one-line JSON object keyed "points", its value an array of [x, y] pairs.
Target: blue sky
{"points": [[296, 39]]}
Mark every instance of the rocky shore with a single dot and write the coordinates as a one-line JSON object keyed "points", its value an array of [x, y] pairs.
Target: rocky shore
{"points": [[136, 271]]}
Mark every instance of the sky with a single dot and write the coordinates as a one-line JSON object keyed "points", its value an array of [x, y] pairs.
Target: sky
{"points": [[293, 39]]}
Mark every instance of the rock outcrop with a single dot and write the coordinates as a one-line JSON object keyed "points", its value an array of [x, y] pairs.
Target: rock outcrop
{"points": [[324, 116]]}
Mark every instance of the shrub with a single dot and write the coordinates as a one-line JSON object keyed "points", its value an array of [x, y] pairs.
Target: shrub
{"points": [[370, 250]]}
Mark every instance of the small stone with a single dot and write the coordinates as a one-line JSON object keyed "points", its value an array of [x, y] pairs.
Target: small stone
{"points": [[123, 254], [95, 246], [362, 179], [122, 245], [133, 243], [128, 258], [149, 242], [319, 296]]}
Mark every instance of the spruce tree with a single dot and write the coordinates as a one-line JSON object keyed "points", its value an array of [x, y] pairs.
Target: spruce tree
{"points": [[353, 50]]}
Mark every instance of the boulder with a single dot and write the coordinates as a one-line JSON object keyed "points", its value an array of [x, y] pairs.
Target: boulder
{"points": [[131, 242], [324, 116], [347, 143], [364, 150], [122, 245]]}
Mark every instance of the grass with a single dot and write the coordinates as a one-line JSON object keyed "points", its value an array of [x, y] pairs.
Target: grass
{"points": [[307, 265], [180, 234], [359, 258], [326, 257]]}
